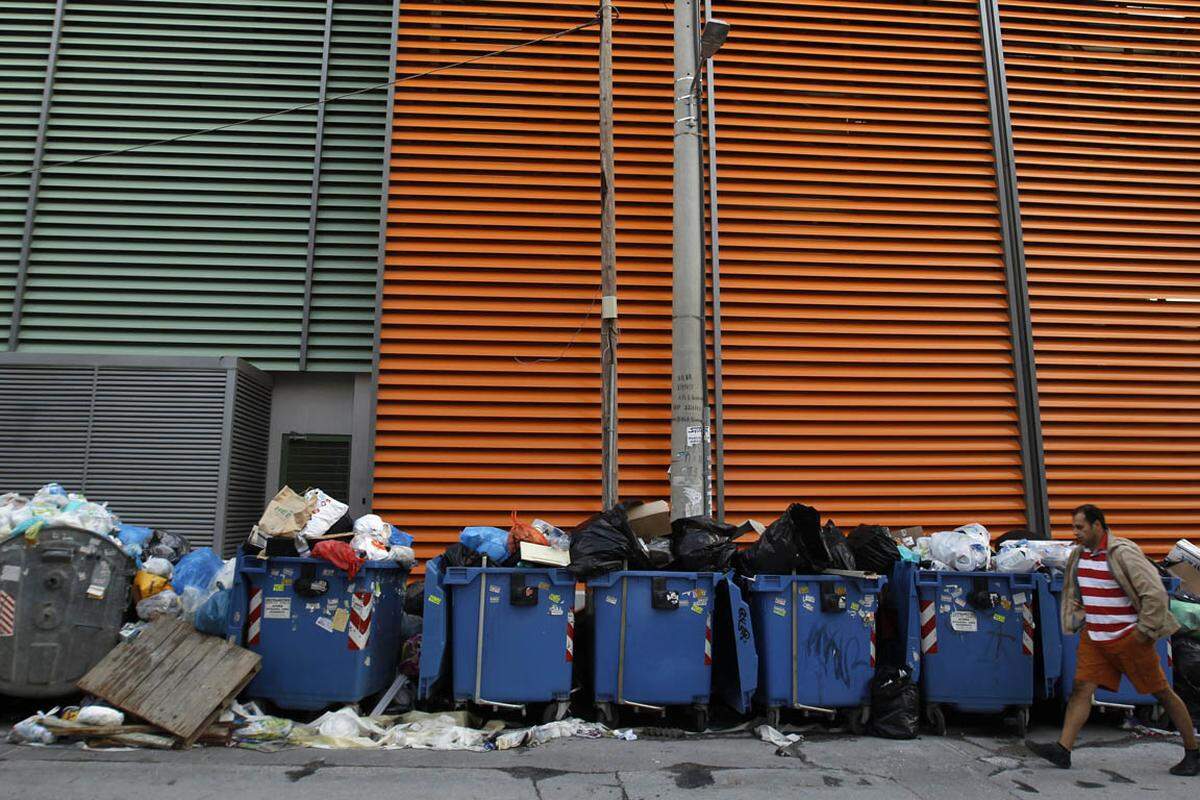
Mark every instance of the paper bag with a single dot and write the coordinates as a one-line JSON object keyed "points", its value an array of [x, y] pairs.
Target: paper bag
{"points": [[286, 516]]}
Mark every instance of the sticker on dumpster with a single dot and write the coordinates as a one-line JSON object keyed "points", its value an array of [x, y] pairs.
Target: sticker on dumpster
{"points": [[610, 599], [699, 609], [494, 599], [998, 617], [868, 601], [944, 608], [1019, 598], [556, 598], [545, 587], [556, 611], [780, 611], [433, 598], [780, 601], [277, 608], [964, 622], [8, 614], [958, 601], [1006, 604], [325, 624], [340, 618], [803, 589], [494, 589], [854, 606], [11, 572], [279, 587]]}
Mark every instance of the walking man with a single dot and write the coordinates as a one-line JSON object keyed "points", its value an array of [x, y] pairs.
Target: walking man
{"points": [[1115, 595]]}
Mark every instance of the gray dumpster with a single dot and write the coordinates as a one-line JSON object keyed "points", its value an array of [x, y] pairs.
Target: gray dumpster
{"points": [[63, 598]]}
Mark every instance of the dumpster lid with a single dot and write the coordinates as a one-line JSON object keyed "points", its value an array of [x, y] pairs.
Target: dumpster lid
{"points": [[434, 631], [735, 663]]}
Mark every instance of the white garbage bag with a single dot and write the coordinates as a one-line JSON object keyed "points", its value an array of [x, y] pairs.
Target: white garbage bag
{"points": [[100, 715], [159, 566], [326, 512], [962, 551], [1017, 559]]}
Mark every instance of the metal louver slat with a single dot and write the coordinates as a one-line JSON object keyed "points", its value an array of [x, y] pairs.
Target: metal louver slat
{"points": [[1104, 99], [249, 444], [44, 418], [24, 45], [866, 344]]}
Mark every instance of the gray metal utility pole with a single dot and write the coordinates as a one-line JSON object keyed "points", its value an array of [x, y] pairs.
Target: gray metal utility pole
{"points": [[689, 445], [608, 267]]}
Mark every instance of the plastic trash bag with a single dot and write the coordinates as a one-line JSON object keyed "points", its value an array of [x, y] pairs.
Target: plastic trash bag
{"points": [[29, 731], [165, 544], [1050, 554], [399, 538], [701, 544], [340, 555], [196, 570], [100, 716], [158, 566], [369, 547], [874, 549], [835, 552], [1188, 615], [134, 539], [212, 617], [1017, 559], [661, 556], [524, 532], [895, 704], [780, 549], [557, 537], [487, 541], [165, 602], [961, 551], [414, 599], [146, 585], [604, 542], [459, 555], [1187, 671], [410, 626], [404, 556], [325, 512]]}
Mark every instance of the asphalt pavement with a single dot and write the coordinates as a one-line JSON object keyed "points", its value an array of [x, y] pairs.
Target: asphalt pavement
{"points": [[968, 764]]}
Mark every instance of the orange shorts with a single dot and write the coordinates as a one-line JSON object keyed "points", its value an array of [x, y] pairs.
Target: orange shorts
{"points": [[1103, 663]]}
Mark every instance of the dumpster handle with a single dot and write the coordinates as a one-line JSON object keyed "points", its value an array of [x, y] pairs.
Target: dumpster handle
{"points": [[621, 644], [56, 555], [479, 632]]}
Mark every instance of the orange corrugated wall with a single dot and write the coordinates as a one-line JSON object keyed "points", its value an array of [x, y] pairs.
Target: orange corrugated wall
{"points": [[1105, 104], [867, 358]]}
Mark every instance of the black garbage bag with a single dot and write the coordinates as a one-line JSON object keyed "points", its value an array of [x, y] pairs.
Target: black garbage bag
{"points": [[895, 704], [701, 544], [834, 551], [604, 542], [414, 599], [459, 555], [343, 524], [661, 557], [164, 544], [1187, 671], [874, 549], [781, 548]]}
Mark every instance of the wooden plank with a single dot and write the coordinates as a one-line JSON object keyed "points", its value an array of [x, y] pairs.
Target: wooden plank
{"points": [[133, 661], [174, 678]]}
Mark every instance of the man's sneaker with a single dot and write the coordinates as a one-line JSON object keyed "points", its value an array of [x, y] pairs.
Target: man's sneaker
{"points": [[1190, 764], [1053, 752]]}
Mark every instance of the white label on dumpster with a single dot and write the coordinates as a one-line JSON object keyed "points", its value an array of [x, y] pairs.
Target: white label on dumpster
{"points": [[325, 624], [1019, 598], [964, 621], [277, 608], [556, 611], [11, 572]]}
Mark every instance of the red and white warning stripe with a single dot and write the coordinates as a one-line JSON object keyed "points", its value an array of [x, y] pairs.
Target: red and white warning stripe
{"points": [[8, 614], [254, 617], [1027, 629], [362, 607], [1170, 655], [708, 641], [570, 636], [928, 627], [872, 644]]}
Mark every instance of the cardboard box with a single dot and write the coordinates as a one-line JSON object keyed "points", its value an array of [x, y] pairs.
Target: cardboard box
{"points": [[540, 554], [1189, 577], [651, 520], [908, 536]]}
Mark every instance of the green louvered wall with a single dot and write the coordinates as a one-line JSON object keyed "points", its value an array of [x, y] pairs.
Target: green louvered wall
{"points": [[199, 247]]}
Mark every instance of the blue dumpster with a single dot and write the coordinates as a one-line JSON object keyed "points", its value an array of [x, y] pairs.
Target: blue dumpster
{"points": [[658, 636], [816, 642], [512, 636], [435, 633], [1125, 696], [324, 638], [978, 642]]}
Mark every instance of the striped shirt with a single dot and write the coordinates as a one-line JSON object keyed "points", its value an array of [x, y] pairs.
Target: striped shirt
{"points": [[1110, 614]]}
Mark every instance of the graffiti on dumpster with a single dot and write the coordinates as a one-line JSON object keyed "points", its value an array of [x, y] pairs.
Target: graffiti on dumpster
{"points": [[743, 625]]}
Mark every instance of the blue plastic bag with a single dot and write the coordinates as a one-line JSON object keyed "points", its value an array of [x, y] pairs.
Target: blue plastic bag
{"points": [[196, 570], [490, 542], [213, 617], [399, 538], [133, 540]]}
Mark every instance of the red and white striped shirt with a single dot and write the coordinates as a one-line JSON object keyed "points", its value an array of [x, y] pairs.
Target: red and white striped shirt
{"points": [[1110, 614]]}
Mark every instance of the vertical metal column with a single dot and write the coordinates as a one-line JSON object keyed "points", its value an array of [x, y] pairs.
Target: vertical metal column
{"points": [[1037, 504], [608, 267], [35, 179], [315, 192], [718, 366]]}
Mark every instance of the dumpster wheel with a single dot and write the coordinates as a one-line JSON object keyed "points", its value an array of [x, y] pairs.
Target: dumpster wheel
{"points": [[698, 715], [933, 713], [555, 711], [1022, 720], [606, 715]]}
